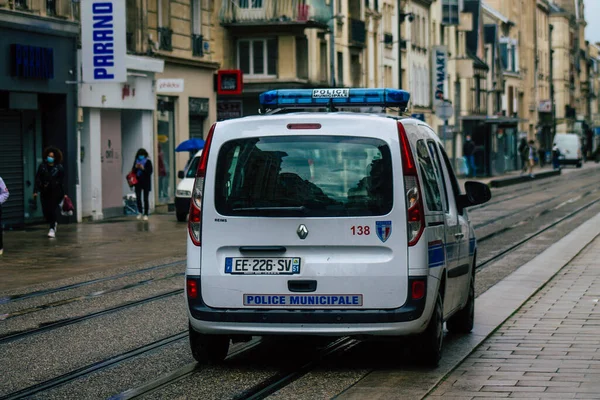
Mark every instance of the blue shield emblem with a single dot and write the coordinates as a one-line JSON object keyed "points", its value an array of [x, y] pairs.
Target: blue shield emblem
{"points": [[383, 229]]}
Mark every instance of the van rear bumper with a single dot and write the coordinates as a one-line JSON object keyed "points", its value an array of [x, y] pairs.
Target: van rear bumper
{"points": [[412, 310]]}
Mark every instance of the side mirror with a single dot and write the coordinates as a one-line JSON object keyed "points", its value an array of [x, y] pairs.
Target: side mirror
{"points": [[180, 175], [477, 193]]}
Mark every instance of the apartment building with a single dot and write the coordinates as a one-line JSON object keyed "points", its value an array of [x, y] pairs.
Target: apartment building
{"points": [[542, 77], [565, 61], [284, 44], [38, 95], [181, 33]]}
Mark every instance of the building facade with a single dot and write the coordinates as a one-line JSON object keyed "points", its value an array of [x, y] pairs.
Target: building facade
{"points": [[38, 96], [116, 120], [182, 34]]}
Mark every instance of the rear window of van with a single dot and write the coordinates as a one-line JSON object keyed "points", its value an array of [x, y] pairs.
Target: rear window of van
{"points": [[313, 176]]}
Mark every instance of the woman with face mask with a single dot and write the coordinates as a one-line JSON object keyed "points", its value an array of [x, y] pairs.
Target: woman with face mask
{"points": [[142, 167], [49, 185]]}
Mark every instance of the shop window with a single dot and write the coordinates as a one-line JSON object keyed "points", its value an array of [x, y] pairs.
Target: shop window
{"points": [[258, 57], [165, 160]]}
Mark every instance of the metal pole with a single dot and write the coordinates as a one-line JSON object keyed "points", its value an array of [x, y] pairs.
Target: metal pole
{"points": [[332, 44], [552, 86], [400, 20]]}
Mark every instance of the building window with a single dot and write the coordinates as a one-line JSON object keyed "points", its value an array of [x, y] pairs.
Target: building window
{"points": [[197, 37], [197, 17], [450, 11], [250, 3], [50, 7], [258, 57], [302, 57], [323, 61], [340, 69]]}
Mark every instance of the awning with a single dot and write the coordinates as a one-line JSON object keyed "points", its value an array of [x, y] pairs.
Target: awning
{"points": [[492, 119]]}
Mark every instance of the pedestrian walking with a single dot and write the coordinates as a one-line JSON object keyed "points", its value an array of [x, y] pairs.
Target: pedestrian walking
{"points": [[142, 166], [469, 154], [524, 153], [49, 186], [531, 157], [3, 198], [555, 156]]}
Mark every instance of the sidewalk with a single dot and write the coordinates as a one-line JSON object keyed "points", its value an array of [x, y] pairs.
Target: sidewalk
{"points": [[553, 336], [30, 257], [549, 349]]}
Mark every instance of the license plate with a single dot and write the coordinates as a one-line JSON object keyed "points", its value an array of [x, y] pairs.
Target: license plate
{"points": [[262, 265]]}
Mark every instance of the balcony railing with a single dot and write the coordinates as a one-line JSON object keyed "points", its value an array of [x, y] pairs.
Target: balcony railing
{"points": [[357, 34], [278, 12]]}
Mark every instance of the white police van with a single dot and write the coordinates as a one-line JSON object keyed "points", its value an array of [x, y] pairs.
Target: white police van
{"points": [[328, 223]]}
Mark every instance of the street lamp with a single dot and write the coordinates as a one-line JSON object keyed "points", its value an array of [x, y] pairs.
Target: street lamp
{"points": [[401, 17]]}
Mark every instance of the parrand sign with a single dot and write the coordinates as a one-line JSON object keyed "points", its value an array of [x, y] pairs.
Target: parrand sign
{"points": [[103, 41]]}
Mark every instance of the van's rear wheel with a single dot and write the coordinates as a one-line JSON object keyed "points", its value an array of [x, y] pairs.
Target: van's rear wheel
{"points": [[208, 349], [430, 343], [463, 321]]}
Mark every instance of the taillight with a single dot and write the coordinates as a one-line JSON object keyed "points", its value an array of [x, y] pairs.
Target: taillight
{"points": [[192, 288], [195, 219], [418, 290], [415, 216]]}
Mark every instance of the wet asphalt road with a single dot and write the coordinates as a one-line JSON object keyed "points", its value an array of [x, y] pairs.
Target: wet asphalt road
{"points": [[125, 246]]}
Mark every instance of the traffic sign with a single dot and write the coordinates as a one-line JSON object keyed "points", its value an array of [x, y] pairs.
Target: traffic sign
{"points": [[444, 110]]}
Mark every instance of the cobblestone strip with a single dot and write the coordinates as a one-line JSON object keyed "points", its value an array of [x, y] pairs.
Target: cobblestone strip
{"points": [[549, 349]]}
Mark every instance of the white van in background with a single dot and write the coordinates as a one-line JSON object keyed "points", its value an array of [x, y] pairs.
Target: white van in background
{"points": [[184, 188], [569, 145]]}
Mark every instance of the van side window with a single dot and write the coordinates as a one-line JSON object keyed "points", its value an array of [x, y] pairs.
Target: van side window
{"points": [[453, 180], [433, 197], [438, 170]]}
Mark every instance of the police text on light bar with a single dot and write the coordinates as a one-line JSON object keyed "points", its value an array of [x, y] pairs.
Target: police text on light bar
{"points": [[337, 97]]}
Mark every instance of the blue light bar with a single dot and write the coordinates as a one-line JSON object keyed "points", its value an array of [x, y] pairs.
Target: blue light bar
{"points": [[305, 98]]}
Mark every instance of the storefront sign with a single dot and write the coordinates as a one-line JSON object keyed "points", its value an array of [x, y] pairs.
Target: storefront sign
{"points": [[169, 86], [103, 41], [229, 110], [229, 82], [31, 61], [545, 106], [439, 63]]}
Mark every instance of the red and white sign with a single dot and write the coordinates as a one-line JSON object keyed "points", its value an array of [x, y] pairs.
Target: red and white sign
{"points": [[169, 86], [545, 106]]}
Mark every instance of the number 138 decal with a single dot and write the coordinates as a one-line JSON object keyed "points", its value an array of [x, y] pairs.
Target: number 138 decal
{"points": [[360, 230]]}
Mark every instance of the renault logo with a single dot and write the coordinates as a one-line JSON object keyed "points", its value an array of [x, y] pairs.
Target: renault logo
{"points": [[302, 231]]}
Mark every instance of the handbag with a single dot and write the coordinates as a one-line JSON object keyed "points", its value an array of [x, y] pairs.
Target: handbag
{"points": [[132, 179], [66, 207]]}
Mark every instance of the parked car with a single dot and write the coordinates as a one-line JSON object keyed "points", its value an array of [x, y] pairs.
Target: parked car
{"points": [[569, 145], [184, 188]]}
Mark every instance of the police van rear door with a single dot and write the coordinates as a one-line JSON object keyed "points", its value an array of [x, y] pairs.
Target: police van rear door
{"points": [[305, 211]]}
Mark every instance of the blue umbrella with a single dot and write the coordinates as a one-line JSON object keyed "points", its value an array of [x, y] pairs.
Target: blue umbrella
{"points": [[191, 145]]}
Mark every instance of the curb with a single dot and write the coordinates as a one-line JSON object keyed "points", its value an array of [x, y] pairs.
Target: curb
{"points": [[513, 180], [494, 307]]}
